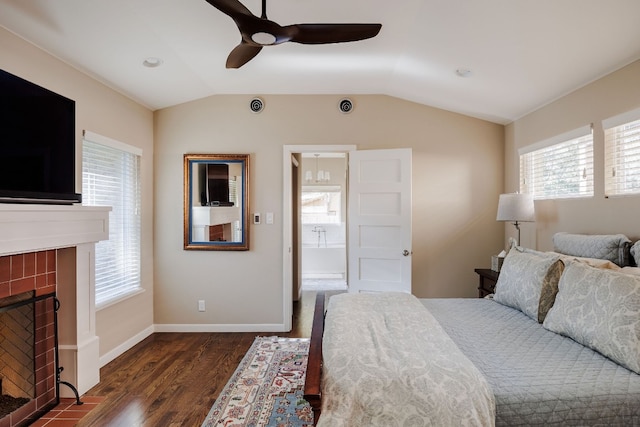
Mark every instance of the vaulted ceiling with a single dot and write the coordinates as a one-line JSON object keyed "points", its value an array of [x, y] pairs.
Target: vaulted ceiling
{"points": [[518, 54]]}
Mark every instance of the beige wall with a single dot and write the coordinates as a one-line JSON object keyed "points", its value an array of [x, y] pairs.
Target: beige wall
{"points": [[457, 176], [106, 112], [606, 97]]}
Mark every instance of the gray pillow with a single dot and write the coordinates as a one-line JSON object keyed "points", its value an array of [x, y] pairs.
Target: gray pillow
{"points": [[614, 247], [635, 251], [528, 281], [600, 309]]}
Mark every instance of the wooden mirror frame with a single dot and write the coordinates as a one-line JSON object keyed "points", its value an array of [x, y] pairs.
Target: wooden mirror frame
{"points": [[208, 213]]}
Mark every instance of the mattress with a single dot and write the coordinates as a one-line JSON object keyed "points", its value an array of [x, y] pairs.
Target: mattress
{"points": [[538, 377]]}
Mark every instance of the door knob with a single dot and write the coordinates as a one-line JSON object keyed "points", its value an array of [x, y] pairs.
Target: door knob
{"points": [[406, 253]]}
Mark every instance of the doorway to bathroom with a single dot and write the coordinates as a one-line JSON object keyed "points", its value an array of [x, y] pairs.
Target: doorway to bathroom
{"points": [[378, 226], [323, 229]]}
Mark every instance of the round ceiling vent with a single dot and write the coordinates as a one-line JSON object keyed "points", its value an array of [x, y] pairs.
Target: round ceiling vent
{"points": [[345, 105], [256, 105]]}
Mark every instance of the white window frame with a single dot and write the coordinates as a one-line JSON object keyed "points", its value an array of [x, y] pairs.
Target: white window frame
{"points": [[622, 154], [118, 265], [573, 148]]}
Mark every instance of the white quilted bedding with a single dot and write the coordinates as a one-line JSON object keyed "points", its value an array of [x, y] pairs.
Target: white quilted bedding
{"points": [[388, 362], [539, 378]]}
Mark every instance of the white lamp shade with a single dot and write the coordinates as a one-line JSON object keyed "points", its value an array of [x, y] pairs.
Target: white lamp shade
{"points": [[517, 207]]}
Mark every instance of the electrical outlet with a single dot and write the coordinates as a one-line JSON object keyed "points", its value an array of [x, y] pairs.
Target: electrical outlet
{"points": [[201, 306]]}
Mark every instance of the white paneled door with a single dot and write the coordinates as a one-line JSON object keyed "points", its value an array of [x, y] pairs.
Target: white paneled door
{"points": [[379, 237]]}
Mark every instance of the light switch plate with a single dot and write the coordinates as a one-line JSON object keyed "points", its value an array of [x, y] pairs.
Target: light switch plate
{"points": [[256, 218], [269, 217]]}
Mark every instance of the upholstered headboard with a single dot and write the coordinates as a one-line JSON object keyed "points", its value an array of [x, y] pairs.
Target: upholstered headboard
{"points": [[612, 247]]}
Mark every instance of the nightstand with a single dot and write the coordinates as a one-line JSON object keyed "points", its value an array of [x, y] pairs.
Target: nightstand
{"points": [[487, 281]]}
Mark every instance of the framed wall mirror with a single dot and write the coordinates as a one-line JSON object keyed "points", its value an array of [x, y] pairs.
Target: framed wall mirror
{"points": [[216, 202]]}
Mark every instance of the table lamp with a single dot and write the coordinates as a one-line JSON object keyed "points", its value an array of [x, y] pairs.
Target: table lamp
{"points": [[516, 208]]}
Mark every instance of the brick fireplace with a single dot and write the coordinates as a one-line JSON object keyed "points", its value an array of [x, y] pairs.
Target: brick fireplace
{"points": [[47, 252]]}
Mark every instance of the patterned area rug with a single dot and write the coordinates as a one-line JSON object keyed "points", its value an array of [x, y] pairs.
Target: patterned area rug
{"points": [[266, 390]]}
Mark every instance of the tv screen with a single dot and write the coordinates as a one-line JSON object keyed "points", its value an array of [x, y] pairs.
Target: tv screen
{"points": [[37, 144]]}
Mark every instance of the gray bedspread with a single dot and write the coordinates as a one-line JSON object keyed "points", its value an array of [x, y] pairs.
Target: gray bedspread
{"points": [[538, 377]]}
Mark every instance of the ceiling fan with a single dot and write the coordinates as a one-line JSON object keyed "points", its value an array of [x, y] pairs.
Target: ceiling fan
{"points": [[258, 32]]}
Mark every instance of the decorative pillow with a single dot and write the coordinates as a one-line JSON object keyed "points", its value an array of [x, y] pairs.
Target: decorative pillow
{"points": [[593, 262], [528, 281], [635, 251], [613, 247], [601, 310]]}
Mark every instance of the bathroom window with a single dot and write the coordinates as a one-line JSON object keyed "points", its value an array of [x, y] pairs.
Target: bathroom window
{"points": [[321, 204]]}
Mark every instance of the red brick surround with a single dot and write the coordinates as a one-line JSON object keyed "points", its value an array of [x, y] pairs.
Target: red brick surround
{"points": [[27, 272]]}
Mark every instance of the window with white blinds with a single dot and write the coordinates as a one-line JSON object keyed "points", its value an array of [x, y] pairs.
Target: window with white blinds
{"points": [[111, 177], [561, 167], [622, 154]]}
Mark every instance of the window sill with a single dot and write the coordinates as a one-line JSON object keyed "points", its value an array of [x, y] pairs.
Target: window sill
{"points": [[119, 298]]}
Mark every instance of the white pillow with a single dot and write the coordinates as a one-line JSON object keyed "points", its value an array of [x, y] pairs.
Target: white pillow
{"points": [[528, 281], [600, 309]]}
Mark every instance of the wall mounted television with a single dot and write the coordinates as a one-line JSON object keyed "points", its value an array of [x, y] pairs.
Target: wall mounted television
{"points": [[37, 144]]}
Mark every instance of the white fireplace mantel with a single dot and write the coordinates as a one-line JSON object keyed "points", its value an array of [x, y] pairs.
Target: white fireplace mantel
{"points": [[32, 228]]}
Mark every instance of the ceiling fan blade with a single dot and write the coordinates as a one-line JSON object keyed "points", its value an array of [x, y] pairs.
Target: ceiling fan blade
{"points": [[242, 54], [331, 33], [232, 8]]}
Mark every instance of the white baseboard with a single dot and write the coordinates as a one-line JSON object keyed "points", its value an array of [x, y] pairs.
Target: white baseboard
{"points": [[220, 328], [126, 346]]}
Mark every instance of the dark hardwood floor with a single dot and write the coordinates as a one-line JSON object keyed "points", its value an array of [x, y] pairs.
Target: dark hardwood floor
{"points": [[173, 379]]}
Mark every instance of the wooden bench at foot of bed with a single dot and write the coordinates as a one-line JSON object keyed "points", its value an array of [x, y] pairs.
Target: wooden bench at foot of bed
{"points": [[312, 384]]}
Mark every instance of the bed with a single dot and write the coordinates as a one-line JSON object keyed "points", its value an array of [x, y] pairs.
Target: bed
{"points": [[558, 344]]}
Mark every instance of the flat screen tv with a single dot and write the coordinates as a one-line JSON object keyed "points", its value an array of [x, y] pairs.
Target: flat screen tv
{"points": [[37, 144]]}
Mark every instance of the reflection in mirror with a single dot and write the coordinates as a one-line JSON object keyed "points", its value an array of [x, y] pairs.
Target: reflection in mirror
{"points": [[216, 201]]}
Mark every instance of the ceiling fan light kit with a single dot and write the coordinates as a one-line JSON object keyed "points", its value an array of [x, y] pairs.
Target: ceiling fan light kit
{"points": [[258, 32]]}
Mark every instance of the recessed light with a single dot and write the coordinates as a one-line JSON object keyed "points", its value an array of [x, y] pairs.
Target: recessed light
{"points": [[463, 72], [152, 62]]}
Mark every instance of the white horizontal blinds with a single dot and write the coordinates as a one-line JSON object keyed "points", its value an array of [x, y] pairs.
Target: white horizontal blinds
{"points": [[622, 154], [111, 177], [561, 167]]}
